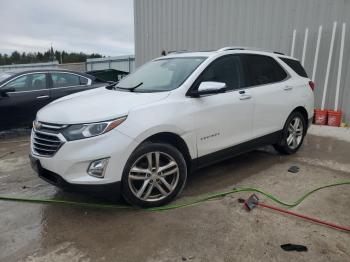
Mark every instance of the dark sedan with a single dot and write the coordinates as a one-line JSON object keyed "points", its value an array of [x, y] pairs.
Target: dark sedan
{"points": [[23, 93]]}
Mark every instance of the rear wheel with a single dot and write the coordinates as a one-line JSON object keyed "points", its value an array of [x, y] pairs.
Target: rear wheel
{"points": [[154, 175], [293, 134]]}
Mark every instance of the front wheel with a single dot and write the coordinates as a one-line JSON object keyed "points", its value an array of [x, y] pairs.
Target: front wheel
{"points": [[293, 134], [154, 175]]}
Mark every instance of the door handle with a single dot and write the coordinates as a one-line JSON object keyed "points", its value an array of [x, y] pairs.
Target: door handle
{"points": [[42, 97], [245, 97], [287, 88]]}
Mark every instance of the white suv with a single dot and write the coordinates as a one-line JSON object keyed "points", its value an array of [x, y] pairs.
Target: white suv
{"points": [[177, 113]]}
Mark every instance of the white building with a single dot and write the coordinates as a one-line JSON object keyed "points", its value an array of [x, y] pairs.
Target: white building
{"points": [[210, 24]]}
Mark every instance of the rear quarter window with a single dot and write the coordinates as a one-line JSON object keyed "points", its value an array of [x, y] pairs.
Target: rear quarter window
{"points": [[295, 65], [64, 79], [83, 80]]}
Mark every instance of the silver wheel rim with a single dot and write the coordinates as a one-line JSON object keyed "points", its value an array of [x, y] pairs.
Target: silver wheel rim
{"points": [[153, 176], [295, 133]]}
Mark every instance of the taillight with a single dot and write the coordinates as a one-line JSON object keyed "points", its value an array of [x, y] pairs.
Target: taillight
{"points": [[312, 85]]}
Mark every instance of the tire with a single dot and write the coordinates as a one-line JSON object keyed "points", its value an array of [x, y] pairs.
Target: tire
{"points": [[292, 140], [146, 184]]}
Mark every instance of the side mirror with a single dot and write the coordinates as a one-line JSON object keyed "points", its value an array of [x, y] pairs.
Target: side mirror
{"points": [[209, 88], [4, 91]]}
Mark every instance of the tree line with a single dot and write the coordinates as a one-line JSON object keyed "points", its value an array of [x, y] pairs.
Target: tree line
{"points": [[48, 56]]}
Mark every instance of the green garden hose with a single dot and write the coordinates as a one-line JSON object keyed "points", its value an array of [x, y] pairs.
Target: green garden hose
{"points": [[173, 206]]}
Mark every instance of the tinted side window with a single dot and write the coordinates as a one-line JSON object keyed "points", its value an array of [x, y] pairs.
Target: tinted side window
{"points": [[28, 82], [64, 80], [227, 70], [83, 80], [263, 70], [295, 65]]}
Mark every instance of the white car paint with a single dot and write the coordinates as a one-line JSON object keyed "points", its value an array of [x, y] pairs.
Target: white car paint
{"points": [[207, 124], [95, 105], [221, 121]]}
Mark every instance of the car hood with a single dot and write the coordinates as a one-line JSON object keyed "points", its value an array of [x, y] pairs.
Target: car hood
{"points": [[95, 105]]}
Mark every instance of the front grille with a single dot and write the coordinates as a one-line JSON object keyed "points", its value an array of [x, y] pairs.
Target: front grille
{"points": [[51, 128], [46, 142]]}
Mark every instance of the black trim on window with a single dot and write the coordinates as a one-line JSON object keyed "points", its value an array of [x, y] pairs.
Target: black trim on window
{"points": [[196, 83], [295, 65], [83, 80], [254, 81], [30, 76]]}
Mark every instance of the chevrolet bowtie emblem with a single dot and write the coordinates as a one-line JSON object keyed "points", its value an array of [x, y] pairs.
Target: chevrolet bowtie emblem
{"points": [[36, 125]]}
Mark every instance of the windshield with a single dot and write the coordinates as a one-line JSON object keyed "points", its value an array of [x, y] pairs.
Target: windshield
{"points": [[3, 76], [161, 75]]}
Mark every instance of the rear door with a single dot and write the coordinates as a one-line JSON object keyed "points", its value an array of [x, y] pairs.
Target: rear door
{"points": [[223, 120], [273, 94], [65, 83], [19, 108]]}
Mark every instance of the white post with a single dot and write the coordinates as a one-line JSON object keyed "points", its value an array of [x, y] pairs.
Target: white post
{"points": [[293, 42], [316, 52], [305, 46], [328, 66], [340, 67]]}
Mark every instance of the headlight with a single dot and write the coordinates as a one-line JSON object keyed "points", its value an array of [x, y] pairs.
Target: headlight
{"points": [[75, 132]]}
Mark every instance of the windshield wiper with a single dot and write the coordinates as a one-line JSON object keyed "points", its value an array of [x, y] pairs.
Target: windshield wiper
{"points": [[111, 86], [130, 88]]}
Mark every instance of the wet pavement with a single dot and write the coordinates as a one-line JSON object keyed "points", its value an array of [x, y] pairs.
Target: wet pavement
{"points": [[218, 230]]}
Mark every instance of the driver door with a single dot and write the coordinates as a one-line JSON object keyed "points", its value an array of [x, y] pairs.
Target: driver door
{"points": [[19, 107], [223, 120]]}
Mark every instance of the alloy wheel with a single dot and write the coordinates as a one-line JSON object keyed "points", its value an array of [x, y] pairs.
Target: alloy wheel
{"points": [[295, 133], [153, 176]]}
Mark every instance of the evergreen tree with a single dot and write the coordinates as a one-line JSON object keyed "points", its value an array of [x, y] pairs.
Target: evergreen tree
{"points": [[16, 57], [48, 56]]}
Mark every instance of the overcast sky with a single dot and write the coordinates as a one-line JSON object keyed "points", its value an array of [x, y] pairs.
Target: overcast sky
{"points": [[91, 26]]}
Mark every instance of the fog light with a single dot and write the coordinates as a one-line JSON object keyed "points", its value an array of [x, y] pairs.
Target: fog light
{"points": [[97, 168]]}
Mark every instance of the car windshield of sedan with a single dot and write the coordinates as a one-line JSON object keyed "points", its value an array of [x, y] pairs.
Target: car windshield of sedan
{"points": [[164, 74], [3, 76]]}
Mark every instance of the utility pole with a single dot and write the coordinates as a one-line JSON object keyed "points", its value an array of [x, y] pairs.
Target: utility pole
{"points": [[51, 53]]}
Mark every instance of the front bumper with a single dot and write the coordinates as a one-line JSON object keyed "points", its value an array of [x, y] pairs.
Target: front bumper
{"points": [[68, 166], [111, 189]]}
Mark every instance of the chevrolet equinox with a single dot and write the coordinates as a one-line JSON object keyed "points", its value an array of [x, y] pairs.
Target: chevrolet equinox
{"points": [[177, 113]]}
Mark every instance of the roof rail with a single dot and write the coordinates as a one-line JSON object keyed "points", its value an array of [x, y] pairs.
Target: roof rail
{"points": [[227, 48], [178, 52]]}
